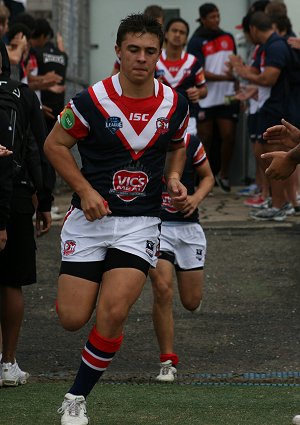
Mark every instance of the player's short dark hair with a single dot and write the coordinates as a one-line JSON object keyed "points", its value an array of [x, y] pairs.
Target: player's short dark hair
{"points": [[139, 24], [42, 27], [155, 11], [174, 20], [206, 9], [259, 5], [26, 19], [16, 29], [261, 21]]}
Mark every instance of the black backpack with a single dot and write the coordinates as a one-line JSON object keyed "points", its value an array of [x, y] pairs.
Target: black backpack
{"points": [[11, 104]]}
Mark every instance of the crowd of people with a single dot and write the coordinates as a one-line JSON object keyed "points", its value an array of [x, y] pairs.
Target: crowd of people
{"points": [[153, 138]]}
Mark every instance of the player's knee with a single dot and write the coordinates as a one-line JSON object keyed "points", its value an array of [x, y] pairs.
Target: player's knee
{"points": [[163, 292], [191, 303], [70, 320]]}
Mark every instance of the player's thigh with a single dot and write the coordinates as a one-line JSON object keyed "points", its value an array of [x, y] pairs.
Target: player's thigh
{"points": [[76, 300], [190, 287]]}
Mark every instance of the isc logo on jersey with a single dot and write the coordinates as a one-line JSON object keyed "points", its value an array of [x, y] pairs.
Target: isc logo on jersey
{"points": [[129, 185], [136, 116]]}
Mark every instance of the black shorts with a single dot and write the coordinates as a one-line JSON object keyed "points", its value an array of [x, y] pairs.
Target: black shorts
{"points": [[252, 126], [93, 270], [228, 112], [264, 121], [17, 260]]}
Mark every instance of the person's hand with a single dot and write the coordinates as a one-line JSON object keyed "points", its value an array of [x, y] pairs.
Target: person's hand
{"points": [[281, 167], [57, 89], [177, 192], [60, 42], [3, 239], [93, 205], [51, 78], [190, 205], [294, 42], [193, 94], [247, 92], [285, 134], [48, 112], [42, 222], [4, 151]]}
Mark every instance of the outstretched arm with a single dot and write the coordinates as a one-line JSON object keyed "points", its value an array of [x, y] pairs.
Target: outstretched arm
{"points": [[283, 164]]}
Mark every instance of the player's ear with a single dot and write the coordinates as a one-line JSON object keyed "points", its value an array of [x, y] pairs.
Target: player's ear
{"points": [[118, 51]]}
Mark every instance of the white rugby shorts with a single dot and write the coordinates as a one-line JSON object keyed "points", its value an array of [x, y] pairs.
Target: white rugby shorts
{"points": [[84, 241], [186, 241]]}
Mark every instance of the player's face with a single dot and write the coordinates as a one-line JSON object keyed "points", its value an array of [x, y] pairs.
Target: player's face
{"points": [[176, 34], [212, 20], [138, 54]]}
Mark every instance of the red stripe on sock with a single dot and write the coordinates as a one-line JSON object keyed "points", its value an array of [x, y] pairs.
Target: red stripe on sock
{"points": [[169, 356], [105, 344], [93, 361]]}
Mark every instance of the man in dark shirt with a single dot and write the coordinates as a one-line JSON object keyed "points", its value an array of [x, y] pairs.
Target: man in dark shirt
{"points": [[268, 72], [17, 255]]}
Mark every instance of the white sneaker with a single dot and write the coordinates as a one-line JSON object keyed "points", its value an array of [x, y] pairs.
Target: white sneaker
{"points": [[1, 380], [167, 372], [12, 375], [73, 409]]}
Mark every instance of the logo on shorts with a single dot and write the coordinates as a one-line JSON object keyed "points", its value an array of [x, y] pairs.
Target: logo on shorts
{"points": [[199, 254], [69, 248], [113, 124], [162, 125], [129, 185], [167, 203], [150, 248]]}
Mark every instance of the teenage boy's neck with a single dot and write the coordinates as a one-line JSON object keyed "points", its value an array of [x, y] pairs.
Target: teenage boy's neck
{"points": [[173, 53], [134, 90]]}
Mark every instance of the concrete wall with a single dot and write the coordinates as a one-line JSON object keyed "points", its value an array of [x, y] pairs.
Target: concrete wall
{"points": [[105, 18]]}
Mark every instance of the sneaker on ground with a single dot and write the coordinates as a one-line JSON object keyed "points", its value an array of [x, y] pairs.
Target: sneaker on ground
{"points": [[269, 214], [296, 420], [167, 372], [73, 410], [248, 190], [288, 208], [12, 375], [1, 380], [257, 202], [223, 183]]}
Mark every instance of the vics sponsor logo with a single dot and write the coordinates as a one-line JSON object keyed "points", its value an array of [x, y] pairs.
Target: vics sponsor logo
{"points": [[129, 185]]}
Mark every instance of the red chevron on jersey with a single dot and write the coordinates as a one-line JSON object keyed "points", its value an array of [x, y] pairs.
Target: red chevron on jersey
{"points": [[137, 122], [175, 72]]}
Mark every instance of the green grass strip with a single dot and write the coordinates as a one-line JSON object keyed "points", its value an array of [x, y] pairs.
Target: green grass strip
{"points": [[36, 404]]}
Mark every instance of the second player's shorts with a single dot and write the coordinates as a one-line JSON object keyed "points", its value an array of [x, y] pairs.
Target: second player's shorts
{"points": [[186, 242]]}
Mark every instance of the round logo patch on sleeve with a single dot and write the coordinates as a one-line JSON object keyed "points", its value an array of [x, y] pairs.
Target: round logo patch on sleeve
{"points": [[67, 119]]}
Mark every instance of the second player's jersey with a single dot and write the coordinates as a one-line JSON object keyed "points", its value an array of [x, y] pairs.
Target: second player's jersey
{"points": [[123, 142], [195, 157], [181, 74]]}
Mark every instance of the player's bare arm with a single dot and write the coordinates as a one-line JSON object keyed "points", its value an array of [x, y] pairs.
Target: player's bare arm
{"points": [[57, 149], [173, 171]]}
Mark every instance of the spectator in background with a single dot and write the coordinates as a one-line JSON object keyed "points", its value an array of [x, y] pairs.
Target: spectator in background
{"points": [[15, 7], [212, 46], [50, 57], [269, 73]]}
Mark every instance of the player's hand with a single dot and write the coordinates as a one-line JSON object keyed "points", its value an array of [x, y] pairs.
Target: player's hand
{"points": [[4, 151], [285, 134], [93, 205], [3, 239], [177, 192], [190, 205], [42, 222], [193, 94]]}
